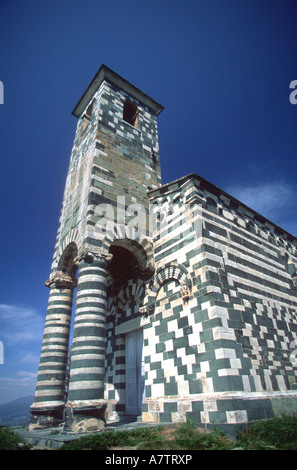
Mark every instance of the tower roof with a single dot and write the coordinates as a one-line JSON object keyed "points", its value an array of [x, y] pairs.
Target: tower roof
{"points": [[105, 73]]}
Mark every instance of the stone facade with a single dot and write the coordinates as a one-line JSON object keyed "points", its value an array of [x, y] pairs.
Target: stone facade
{"points": [[224, 354], [185, 298]]}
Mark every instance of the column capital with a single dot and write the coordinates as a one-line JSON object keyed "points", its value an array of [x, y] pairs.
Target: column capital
{"points": [[60, 280], [90, 257]]}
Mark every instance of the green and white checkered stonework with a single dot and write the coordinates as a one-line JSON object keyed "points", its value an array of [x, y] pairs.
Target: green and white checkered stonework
{"points": [[210, 284], [223, 355]]}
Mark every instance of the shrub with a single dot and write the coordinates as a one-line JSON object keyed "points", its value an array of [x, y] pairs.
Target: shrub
{"points": [[11, 441]]}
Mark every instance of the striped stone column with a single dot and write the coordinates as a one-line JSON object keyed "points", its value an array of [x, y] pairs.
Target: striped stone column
{"points": [[85, 408], [49, 400]]}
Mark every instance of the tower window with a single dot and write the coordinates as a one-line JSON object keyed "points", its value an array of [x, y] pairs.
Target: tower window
{"points": [[86, 118], [130, 113], [89, 110]]}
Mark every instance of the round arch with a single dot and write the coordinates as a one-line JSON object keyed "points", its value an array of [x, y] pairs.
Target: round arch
{"points": [[171, 271], [141, 251]]}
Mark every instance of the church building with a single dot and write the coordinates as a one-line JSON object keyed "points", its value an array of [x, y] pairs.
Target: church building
{"points": [[183, 299]]}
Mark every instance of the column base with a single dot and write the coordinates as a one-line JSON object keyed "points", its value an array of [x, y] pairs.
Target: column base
{"points": [[85, 416], [46, 417]]}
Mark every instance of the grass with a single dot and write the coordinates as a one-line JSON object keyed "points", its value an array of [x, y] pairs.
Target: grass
{"points": [[115, 439], [184, 436], [279, 433]]}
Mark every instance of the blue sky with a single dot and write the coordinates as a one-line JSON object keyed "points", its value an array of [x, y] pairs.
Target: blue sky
{"points": [[221, 69]]}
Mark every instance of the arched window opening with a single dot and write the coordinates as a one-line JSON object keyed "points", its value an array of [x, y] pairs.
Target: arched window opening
{"points": [[130, 113], [89, 110], [211, 205]]}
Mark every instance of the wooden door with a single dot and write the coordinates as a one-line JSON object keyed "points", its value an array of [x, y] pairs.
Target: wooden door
{"points": [[134, 372]]}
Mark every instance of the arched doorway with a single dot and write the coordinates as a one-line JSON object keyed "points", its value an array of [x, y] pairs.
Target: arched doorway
{"points": [[128, 273]]}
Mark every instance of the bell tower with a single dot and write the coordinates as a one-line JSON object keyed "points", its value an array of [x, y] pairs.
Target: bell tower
{"points": [[105, 215]]}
